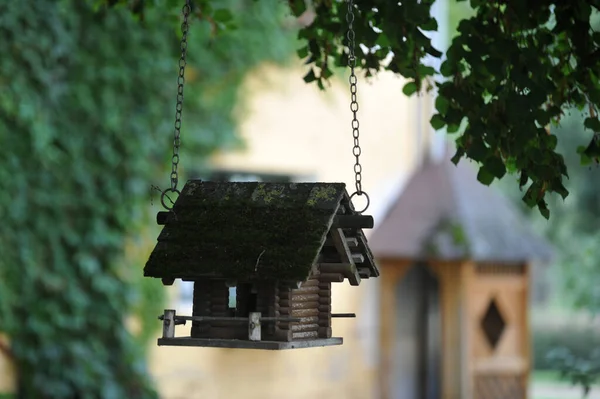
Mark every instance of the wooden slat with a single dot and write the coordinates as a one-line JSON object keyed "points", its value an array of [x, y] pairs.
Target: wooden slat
{"points": [[351, 241], [306, 304], [297, 327], [305, 335], [306, 290], [339, 240], [358, 258], [304, 312]]}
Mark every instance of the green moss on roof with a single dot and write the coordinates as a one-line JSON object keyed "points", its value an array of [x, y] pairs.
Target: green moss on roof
{"points": [[223, 228]]}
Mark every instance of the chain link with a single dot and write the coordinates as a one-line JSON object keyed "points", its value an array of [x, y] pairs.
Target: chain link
{"points": [[356, 150], [179, 106]]}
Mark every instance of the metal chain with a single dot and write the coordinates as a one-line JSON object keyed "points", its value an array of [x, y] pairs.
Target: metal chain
{"points": [[356, 150], [179, 107]]}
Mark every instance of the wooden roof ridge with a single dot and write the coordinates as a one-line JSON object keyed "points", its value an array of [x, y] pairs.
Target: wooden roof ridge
{"points": [[445, 213], [249, 230]]}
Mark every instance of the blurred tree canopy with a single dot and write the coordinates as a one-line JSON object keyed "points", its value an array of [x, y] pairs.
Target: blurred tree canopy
{"points": [[87, 104], [512, 71]]}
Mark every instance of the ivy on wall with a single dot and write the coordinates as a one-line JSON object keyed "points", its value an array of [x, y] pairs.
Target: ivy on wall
{"points": [[86, 113]]}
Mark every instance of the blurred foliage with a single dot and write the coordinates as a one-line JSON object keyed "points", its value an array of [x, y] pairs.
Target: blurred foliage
{"points": [[86, 112], [512, 71], [572, 348], [573, 230], [579, 338], [579, 370]]}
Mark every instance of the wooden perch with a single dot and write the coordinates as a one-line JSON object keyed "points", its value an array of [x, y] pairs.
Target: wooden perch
{"points": [[353, 222], [164, 217]]}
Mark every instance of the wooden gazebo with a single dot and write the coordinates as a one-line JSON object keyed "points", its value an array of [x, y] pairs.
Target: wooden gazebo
{"points": [[454, 257]]}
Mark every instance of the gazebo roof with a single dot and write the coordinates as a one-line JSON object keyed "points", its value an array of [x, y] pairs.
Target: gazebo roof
{"points": [[248, 231], [445, 213]]}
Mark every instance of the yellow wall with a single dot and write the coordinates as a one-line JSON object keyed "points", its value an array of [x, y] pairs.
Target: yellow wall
{"points": [[292, 127]]}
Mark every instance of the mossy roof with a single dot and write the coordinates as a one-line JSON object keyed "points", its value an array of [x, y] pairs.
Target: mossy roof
{"points": [[246, 230]]}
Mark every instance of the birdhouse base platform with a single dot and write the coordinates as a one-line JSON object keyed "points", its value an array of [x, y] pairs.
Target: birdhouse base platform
{"points": [[247, 344]]}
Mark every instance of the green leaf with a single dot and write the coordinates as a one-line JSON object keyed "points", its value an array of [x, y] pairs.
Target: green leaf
{"points": [[302, 52], [409, 88], [437, 122], [457, 155], [310, 76], [543, 207], [592, 124], [523, 178], [446, 69], [485, 176], [441, 104], [495, 166]]}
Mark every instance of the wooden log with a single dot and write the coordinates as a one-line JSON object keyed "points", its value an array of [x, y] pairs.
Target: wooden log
{"points": [[305, 298], [323, 300], [358, 258], [306, 304], [305, 327], [341, 268], [164, 217], [310, 283], [284, 311], [282, 335], [332, 277], [353, 222], [285, 294], [324, 308], [167, 281], [325, 332], [298, 299], [305, 335], [306, 290], [309, 319], [305, 312], [324, 285], [324, 322]]}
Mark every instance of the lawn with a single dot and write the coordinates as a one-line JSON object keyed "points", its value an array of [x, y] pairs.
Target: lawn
{"points": [[549, 385]]}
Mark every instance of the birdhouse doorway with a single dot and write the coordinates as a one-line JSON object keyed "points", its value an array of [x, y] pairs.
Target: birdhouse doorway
{"points": [[416, 366]]}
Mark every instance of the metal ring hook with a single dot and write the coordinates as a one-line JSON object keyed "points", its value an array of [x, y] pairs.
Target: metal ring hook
{"points": [[360, 194], [164, 194]]}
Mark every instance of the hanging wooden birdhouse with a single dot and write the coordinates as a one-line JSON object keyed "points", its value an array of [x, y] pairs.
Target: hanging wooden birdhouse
{"points": [[280, 245]]}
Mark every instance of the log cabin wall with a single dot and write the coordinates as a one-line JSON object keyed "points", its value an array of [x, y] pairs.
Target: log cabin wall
{"points": [[201, 307], [325, 309], [304, 303], [283, 302], [498, 349]]}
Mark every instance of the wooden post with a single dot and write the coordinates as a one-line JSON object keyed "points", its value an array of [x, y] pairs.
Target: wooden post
{"points": [[169, 323], [254, 326]]}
